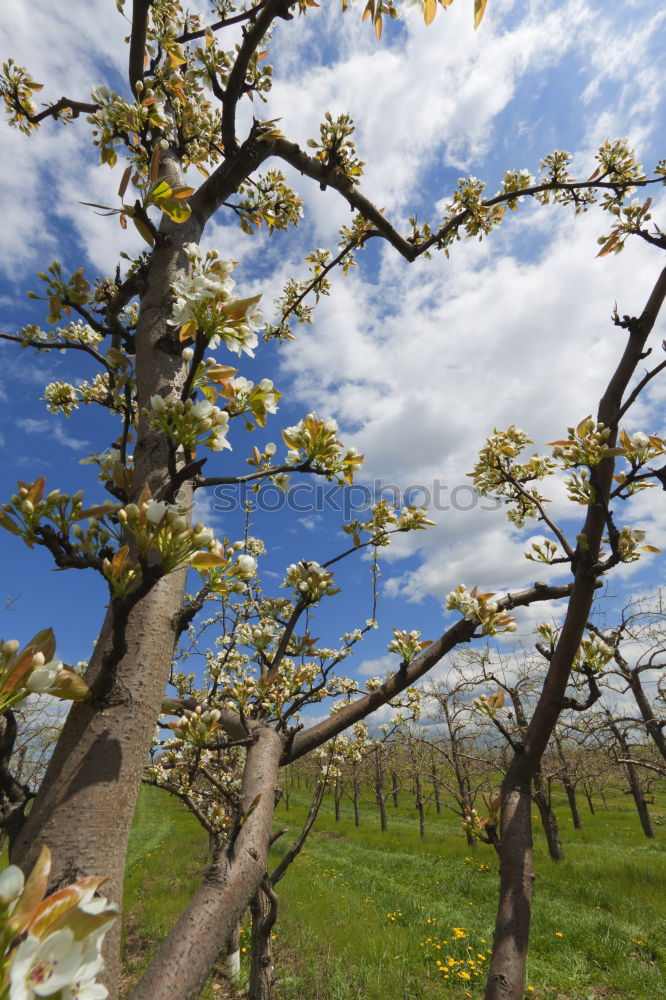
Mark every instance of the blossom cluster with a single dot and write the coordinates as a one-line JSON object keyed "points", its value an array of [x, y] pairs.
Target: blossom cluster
{"points": [[33, 670], [204, 305], [593, 651], [310, 581], [490, 704], [343, 751], [639, 449], [407, 645], [115, 119], [586, 444], [384, 520], [628, 541], [51, 945], [29, 506], [516, 181], [189, 424], [244, 397], [208, 780], [158, 529], [313, 441], [197, 727], [498, 472], [76, 332], [475, 607]]}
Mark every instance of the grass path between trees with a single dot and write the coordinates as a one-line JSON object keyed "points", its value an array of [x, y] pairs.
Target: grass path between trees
{"points": [[371, 916]]}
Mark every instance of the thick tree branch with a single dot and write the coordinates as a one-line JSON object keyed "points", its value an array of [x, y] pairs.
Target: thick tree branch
{"points": [[137, 50], [64, 104], [246, 15], [236, 82], [462, 631], [291, 153]]}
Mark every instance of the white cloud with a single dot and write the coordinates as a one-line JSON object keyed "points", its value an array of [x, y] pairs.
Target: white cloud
{"points": [[427, 362], [50, 429]]}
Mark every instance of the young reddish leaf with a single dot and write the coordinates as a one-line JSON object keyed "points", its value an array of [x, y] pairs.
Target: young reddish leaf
{"points": [[188, 331], [479, 11], [97, 511], [155, 163], [127, 173], [33, 893], [7, 523], [118, 562], [609, 246], [19, 669], [582, 426], [220, 373], [239, 308], [206, 560], [53, 908]]}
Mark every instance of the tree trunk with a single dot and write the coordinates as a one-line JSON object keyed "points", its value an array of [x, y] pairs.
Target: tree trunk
{"points": [[419, 803], [652, 724], [394, 789], [435, 790], [84, 808], [337, 796], [264, 914], [232, 966], [356, 796], [506, 978], [588, 796], [639, 799], [634, 781], [379, 792], [548, 819], [201, 933], [573, 804]]}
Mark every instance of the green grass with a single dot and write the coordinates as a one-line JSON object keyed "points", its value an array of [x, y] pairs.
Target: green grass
{"points": [[365, 915], [167, 854]]}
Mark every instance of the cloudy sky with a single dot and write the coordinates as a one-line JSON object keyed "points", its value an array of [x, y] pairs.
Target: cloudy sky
{"points": [[419, 362]]}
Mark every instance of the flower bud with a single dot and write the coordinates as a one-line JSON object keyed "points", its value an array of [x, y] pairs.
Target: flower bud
{"points": [[11, 884]]}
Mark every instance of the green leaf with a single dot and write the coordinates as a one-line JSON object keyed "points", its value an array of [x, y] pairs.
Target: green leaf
{"points": [[179, 211], [157, 193]]}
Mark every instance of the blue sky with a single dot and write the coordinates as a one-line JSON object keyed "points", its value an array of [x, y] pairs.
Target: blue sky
{"points": [[417, 362]]}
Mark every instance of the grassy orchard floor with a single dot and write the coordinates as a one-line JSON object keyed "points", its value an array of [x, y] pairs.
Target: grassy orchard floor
{"points": [[366, 916]]}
